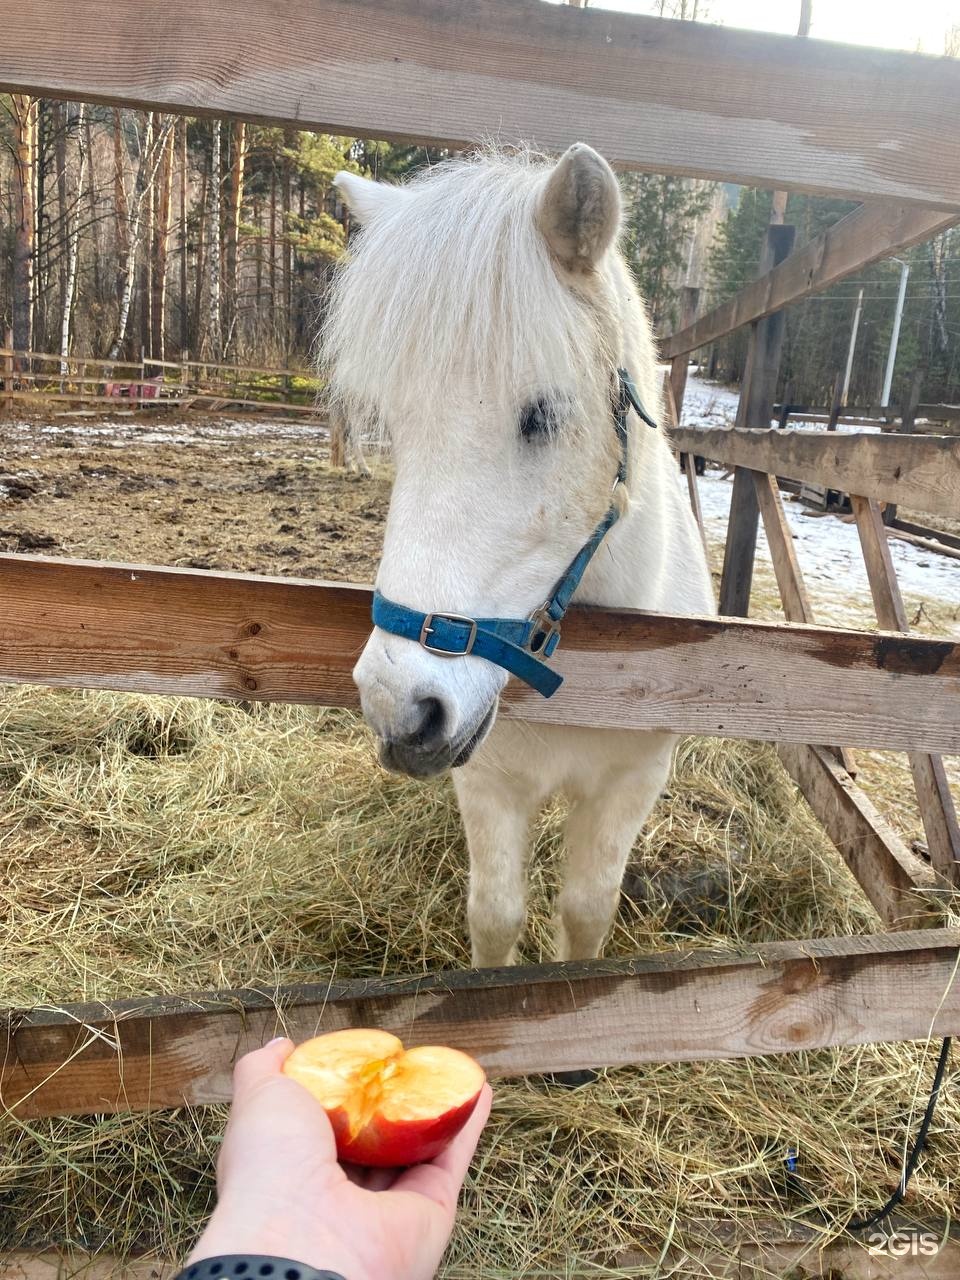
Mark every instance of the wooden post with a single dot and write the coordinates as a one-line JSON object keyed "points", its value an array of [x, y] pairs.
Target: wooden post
{"points": [[933, 791], [786, 567], [757, 395], [338, 438], [907, 420], [837, 403], [8, 372]]}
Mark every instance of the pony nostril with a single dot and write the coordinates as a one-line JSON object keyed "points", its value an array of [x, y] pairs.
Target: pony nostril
{"points": [[432, 730]]}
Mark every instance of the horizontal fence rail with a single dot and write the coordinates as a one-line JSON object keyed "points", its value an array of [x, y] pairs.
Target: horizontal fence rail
{"points": [[918, 472], [713, 102], [73, 624], [34, 378], [862, 237], [139, 1054]]}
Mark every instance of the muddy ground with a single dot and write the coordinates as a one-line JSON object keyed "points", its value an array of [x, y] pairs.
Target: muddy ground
{"points": [[252, 495]]}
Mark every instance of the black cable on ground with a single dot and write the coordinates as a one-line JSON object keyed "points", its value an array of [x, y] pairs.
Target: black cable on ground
{"points": [[916, 1151]]}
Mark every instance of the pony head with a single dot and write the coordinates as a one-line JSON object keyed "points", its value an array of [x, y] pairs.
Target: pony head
{"points": [[477, 322]]}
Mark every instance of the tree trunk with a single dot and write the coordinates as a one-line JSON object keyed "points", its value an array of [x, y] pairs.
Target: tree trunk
{"points": [[184, 285], [289, 140], [258, 222], [201, 265], [120, 199], [94, 219], [60, 119], [214, 315], [73, 251], [161, 232], [39, 205], [238, 160], [147, 247], [939, 258], [25, 125], [273, 252], [150, 153]]}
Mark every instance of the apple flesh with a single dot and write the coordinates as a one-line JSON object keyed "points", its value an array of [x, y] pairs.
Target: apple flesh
{"points": [[389, 1106]]}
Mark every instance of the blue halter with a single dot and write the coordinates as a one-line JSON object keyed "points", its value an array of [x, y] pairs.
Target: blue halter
{"points": [[519, 645]]}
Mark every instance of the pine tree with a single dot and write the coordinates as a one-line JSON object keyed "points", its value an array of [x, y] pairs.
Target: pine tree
{"points": [[660, 215]]}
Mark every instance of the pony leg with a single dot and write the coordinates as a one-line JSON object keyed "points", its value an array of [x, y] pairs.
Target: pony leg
{"points": [[497, 822], [600, 833]]}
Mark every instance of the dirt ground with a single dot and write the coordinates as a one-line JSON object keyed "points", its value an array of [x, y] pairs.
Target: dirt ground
{"points": [[250, 495]]}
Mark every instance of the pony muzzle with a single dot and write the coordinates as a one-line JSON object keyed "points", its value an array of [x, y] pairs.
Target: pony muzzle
{"points": [[429, 713]]}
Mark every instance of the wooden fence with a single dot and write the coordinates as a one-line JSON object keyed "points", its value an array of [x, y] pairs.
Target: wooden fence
{"points": [[716, 103], [40, 379]]}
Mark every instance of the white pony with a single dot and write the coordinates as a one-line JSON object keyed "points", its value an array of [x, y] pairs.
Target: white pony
{"points": [[480, 320]]}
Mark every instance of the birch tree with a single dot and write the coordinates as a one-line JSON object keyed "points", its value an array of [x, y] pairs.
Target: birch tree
{"points": [[152, 144], [25, 113], [214, 312], [73, 244]]}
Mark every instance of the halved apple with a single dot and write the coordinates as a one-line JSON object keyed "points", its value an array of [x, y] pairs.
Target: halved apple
{"points": [[389, 1106]]}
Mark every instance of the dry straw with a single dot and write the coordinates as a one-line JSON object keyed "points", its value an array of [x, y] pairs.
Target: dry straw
{"points": [[156, 845]]}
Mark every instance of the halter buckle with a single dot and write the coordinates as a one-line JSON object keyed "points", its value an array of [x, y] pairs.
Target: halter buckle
{"points": [[542, 632], [428, 628]]}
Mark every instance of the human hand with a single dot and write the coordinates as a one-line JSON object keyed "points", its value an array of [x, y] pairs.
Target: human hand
{"points": [[281, 1191]]}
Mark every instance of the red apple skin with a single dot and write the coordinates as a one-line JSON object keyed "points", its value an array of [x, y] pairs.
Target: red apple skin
{"points": [[391, 1144], [408, 1104]]}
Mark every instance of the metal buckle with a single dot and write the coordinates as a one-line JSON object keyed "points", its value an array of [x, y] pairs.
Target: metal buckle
{"points": [[428, 628], [544, 629]]}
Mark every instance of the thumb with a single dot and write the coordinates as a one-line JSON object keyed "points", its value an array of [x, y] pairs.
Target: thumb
{"points": [[254, 1069], [272, 1112]]}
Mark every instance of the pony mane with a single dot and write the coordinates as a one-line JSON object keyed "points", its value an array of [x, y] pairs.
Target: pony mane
{"points": [[455, 275]]}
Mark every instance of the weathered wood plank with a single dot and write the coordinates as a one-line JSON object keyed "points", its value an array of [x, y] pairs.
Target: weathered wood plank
{"points": [[139, 1054], [881, 575], [921, 472], [924, 533], [786, 567], [864, 236], [72, 624], [933, 544], [754, 409], [719, 103], [796, 605], [893, 878], [739, 546], [937, 810]]}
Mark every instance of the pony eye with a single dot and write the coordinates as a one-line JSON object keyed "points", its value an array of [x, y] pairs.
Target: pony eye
{"points": [[538, 421]]}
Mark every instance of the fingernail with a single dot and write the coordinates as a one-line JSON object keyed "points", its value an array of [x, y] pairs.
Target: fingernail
{"points": [[275, 1040]]}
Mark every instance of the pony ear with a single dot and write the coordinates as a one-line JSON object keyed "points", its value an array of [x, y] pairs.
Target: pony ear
{"points": [[365, 198], [579, 209]]}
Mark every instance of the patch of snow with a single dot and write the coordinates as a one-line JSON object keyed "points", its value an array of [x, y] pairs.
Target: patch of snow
{"points": [[222, 431], [707, 404], [829, 553], [828, 548]]}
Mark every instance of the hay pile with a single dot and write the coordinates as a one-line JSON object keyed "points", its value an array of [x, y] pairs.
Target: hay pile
{"points": [[157, 845]]}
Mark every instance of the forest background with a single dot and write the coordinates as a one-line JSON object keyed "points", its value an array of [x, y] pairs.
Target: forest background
{"points": [[126, 234]]}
